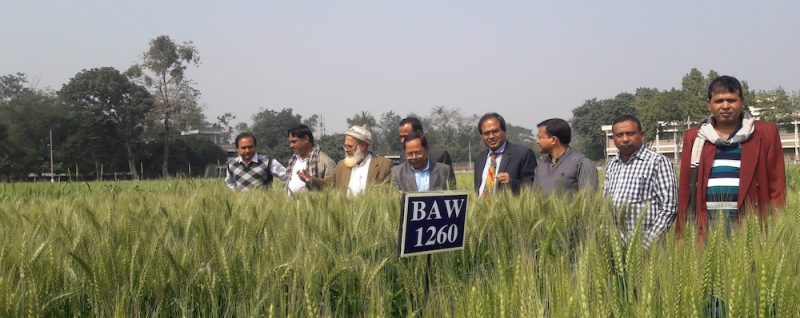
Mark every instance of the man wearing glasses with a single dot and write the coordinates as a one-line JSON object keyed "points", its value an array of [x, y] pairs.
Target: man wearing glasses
{"points": [[360, 168], [419, 173], [503, 165]]}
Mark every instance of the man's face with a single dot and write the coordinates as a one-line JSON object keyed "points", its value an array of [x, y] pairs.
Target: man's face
{"points": [[416, 155], [493, 136], [404, 130], [300, 146], [246, 148], [627, 137], [352, 145], [726, 108], [545, 141]]}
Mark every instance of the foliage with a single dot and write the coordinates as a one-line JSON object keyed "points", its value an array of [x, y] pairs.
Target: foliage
{"points": [[188, 248], [589, 117], [163, 71], [270, 128], [104, 96]]}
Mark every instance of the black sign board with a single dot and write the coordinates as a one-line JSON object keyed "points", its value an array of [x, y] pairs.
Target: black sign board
{"points": [[432, 222]]}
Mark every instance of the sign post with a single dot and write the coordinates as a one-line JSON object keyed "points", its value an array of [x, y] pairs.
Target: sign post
{"points": [[432, 222]]}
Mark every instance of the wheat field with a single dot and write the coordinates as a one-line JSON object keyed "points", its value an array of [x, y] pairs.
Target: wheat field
{"points": [[190, 248]]}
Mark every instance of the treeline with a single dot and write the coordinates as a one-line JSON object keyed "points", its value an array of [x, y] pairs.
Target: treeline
{"points": [[686, 105], [446, 127], [106, 121]]}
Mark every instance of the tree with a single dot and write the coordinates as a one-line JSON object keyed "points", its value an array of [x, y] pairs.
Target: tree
{"points": [[695, 94], [13, 86], [27, 120], [270, 128], [312, 122], [105, 96], [775, 105], [454, 131], [167, 62], [225, 125], [588, 119], [387, 138], [364, 118]]}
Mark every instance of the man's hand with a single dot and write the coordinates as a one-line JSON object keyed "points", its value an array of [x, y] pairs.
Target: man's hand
{"points": [[503, 178], [304, 175]]}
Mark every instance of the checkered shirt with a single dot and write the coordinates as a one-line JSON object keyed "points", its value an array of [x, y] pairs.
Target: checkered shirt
{"points": [[645, 184], [259, 173]]}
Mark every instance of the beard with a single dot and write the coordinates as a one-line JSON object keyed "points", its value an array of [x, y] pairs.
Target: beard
{"points": [[356, 158]]}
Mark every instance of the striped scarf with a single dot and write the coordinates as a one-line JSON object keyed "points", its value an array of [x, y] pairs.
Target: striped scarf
{"points": [[312, 163], [708, 133]]}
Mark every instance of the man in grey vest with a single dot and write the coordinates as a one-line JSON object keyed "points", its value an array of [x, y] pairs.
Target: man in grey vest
{"points": [[419, 172], [251, 170], [561, 168]]}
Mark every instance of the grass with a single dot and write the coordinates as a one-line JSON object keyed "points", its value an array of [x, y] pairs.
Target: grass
{"points": [[191, 248]]}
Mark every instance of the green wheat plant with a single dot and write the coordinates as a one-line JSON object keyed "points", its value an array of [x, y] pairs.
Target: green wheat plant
{"points": [[191, 248]]}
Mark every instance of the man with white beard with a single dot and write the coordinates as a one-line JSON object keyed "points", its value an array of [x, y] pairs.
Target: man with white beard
{"points": [[360, 169]]}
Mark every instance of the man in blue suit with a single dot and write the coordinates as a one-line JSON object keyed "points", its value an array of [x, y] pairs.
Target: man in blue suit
{"points": [[503, 165]]}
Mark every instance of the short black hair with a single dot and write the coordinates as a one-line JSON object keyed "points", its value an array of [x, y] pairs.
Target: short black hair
{"points": [[416, 135], [301, 131], [627, 118], [559, 128], [725, 84], [244, 135], [416, 125], [488, 116]]}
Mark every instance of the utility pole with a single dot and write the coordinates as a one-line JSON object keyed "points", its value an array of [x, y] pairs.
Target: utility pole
{"points": [[52, 175]]}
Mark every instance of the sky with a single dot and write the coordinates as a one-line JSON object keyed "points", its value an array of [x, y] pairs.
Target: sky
{"points": [[527, 60]]}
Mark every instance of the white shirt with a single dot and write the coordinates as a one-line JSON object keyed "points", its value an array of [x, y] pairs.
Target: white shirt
{"points": [[358, 177], [500, 151], [295, 183]]}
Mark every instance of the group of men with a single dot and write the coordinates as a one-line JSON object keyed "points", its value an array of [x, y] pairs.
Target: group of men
{"points": [[730, 164]]}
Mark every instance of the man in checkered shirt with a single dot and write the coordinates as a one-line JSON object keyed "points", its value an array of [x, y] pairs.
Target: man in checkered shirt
{"points": [[251, 170], [638, 181]]}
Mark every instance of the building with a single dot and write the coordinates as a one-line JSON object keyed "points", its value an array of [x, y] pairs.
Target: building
{"points": [[669, 140]]}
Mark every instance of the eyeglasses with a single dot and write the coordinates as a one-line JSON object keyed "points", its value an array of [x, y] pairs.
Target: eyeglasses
{"points": [[348, 147], [414, 155]]}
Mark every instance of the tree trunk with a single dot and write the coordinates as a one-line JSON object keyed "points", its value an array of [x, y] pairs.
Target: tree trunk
{"points": [[131, 163], [165, 160]]}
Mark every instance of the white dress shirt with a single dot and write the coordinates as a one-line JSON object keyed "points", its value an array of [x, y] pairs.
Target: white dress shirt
{"points": [[358, 176]]}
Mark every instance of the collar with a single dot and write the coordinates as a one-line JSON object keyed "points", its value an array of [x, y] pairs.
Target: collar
{"points": [[499, 151], [365, 160], [713, 122], [636, 154], [562, 156], [254, 160], [427, 167]]}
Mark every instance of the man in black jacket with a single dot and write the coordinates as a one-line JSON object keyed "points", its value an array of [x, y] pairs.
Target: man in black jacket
{"points": [[503, 165]]}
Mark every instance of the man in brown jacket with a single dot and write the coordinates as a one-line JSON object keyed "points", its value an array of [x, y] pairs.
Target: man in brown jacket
{"points": [[360, 169]]}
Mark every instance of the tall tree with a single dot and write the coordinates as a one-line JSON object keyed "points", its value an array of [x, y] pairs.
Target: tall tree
{"points": [[270, 128], [167, 62], [104, 95], [695, 94], [225, 125]]}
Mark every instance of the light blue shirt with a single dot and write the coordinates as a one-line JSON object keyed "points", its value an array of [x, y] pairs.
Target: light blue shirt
{"points": [[423, 177]]}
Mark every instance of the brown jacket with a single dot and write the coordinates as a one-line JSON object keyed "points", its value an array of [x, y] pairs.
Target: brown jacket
{"points": [[380, 171], [762, 178]]}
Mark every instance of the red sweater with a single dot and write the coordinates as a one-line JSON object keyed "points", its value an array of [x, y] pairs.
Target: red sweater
{"points": [[762, 176]]}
